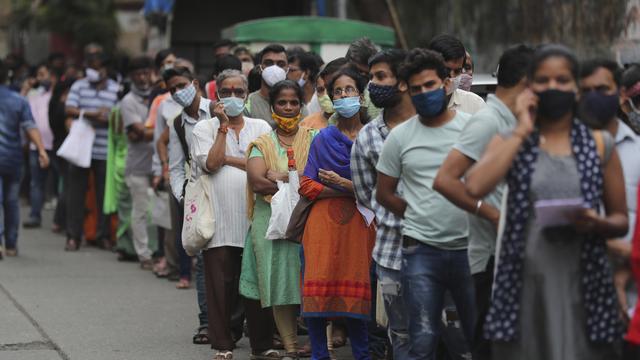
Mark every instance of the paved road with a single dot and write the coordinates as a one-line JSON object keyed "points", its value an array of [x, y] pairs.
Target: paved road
{"points": [[87, 306]]}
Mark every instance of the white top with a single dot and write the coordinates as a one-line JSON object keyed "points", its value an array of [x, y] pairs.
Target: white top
{"points": [[466, 101], [228, 184]]}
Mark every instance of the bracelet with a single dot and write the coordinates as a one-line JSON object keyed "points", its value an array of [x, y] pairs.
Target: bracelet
{"points": [[223, 129], [478, 206]]}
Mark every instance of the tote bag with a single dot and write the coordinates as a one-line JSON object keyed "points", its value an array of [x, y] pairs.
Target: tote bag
{"points": [[77, 146], [199, 220]]}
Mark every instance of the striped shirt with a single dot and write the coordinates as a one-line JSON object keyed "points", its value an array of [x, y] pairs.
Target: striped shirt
{"points": [[85, 96], [364, 157]]}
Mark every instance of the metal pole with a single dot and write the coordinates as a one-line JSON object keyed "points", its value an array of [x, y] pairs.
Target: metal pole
{"points": [[341, 9], [396, 24]]}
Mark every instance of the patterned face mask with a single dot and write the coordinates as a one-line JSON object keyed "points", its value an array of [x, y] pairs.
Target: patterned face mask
{"points": [[185, 96], [383, 96], [287, 124], [325, 104]]}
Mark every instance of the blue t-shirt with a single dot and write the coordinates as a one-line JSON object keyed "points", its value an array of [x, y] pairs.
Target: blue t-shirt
{"points": [[15, 115]]}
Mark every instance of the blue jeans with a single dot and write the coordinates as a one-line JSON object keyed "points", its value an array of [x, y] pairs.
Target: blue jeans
{"points": [[427, 273], [200, 290], [356, 328], [37, 185], [390, 282], [10, 209]]}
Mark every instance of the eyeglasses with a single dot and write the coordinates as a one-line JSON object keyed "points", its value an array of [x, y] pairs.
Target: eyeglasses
{"points": [[237, 92], [348, 91]]}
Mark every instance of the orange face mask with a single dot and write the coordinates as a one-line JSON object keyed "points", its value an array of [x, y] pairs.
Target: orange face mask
{"points": [[286, 123]]}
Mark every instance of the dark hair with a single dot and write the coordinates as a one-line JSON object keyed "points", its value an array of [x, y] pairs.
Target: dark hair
{"points": [[55, 56], [139, 63], [308, 61], [332, 67], [631, 76], [450, 47], [422, 59], [274, 48], [361, 81], [514, 64], [391, 57], [240, 49], [544, 52], [161, 56], [360, 51], [587, 68], [226, 62], [222, 43], [4, 73], [276, 89], [177, 71]]}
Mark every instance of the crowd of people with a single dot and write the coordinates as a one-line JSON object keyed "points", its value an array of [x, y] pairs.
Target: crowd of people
{"points": [[432, 223]]}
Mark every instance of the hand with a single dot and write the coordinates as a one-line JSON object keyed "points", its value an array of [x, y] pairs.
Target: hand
{"points": [[275, 176], [526, 103], [43, 159], [587, 221], [27, 85], [155, 183], [330, 177], [218, 111]]}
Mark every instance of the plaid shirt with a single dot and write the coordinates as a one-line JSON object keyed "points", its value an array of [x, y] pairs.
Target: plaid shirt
{"points": [[364, 157]]}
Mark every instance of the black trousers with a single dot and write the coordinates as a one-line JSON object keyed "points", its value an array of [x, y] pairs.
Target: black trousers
{"points": [[77, 184], [483, 282]]}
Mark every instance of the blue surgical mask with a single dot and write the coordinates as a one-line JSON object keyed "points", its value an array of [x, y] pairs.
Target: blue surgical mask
{"points": [[233, 106], [184, 97], [347, 107], [431, 103]]}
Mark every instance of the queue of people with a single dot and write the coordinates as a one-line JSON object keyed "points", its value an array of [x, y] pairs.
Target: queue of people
{"points": [[455, 226]]}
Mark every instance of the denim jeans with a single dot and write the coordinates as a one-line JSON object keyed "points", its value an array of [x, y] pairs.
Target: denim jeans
{"points": [[37, 185], [10, 209], [356, 329], [390, 282], [200, 289], [427, 273]]}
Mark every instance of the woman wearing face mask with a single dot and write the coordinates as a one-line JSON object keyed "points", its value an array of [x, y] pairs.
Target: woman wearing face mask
{"points": [[337, 241], [630, 98], [553, 294], [271, 268]]}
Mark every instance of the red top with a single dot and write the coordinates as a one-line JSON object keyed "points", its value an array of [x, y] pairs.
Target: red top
{"points": [[633, 335]]}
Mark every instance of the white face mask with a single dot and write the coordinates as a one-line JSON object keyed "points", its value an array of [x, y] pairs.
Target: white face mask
{"points": [[273, 74], [455, 83], [302, 81], [93, 75]]}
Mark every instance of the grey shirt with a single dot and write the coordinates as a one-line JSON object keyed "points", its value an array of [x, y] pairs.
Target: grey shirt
{"points": [[134, 110], [491, 120]]}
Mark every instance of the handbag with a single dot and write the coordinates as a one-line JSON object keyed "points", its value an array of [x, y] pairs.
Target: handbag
{"points": [[199, 219], [298, 220], [77, 146]]}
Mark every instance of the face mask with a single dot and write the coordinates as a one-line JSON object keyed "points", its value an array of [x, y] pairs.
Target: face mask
{"points": [[45, 84], [143, 92], [301, 81], [246, 67], [347, 107], [552, 104], [273, 74], [166, 67], [431, 103], [465, 82], [454, 84], [383, 96], [286, 123], [184, 97], [597, 109], [633, 118], [233, 106], [325, 104], [93, 76]]}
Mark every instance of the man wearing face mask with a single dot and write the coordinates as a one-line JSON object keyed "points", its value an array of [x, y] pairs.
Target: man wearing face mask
{"points": [[454, 55], [93, 96], [435, 232], [391, 95], [303, 69], [134, 109], [274, 66], [38, 94], [598, 106], [466, 78]]}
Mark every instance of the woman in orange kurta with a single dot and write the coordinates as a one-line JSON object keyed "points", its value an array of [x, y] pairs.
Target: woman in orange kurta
{"points": [[337, 241]]}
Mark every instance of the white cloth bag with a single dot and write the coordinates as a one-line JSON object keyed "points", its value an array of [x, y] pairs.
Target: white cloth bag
{"points": [[77, 146], [199, 220]]}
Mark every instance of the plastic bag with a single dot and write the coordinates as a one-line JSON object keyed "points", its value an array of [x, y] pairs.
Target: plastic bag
{"points": [[282, 204], [160, 210], [77, 146]]}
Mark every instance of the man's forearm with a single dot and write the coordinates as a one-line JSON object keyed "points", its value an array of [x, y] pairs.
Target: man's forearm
{"points": [[240, 163], [394, 203], [34, 136]]}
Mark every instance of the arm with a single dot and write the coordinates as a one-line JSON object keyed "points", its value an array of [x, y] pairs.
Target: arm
{"points": [[216, 156], [314, 190], [363, 173], [386, 195], [163, 152], [139, 133], [176, 164], [240, 163], [448, 183], [257, 177], [34, 137]]}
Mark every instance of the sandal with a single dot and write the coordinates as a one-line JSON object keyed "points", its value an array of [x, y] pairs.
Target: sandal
{"points": [[183, 284], [266, 355], [201, 337], [223, 355]]}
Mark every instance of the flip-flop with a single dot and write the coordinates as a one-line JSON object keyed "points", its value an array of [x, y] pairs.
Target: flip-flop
{"points": [[266, 355], [223, 355], [201, 337], [183, 284]]}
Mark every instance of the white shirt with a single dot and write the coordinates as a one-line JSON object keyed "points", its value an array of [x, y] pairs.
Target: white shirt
{"points": [[228, 184], [466, 101], [628, 147]]}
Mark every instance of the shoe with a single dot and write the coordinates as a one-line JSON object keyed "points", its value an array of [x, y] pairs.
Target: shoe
{"points": [[71, 245], [31, 224], [11, 252], [146, 264]]}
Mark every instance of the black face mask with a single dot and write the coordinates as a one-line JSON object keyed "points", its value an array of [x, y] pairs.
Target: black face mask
{"points": [[553, 104], [597, 109]]}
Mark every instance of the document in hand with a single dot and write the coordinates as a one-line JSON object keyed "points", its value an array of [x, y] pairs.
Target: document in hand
{"points": [[557, 212]]}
